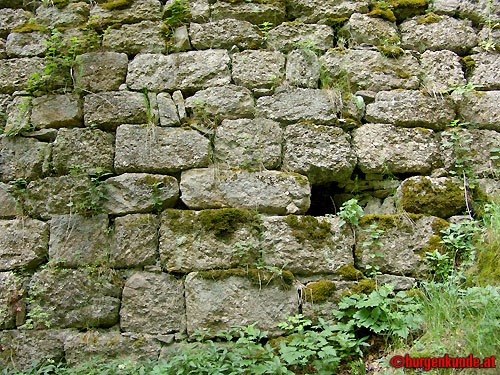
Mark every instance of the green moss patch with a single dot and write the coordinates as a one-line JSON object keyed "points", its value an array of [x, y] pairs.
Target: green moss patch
{"points": [[30, 27], [308, 228], [382, 12], [319, 291], [116, 4], [365, 286], [350, 273], [428, 18], [256, 276], [224, 222], [180, 221]]}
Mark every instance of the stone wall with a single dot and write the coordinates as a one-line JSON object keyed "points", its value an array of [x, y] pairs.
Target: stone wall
{"points": [[165, 169]]}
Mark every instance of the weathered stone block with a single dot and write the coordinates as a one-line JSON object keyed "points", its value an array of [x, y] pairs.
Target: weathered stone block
{"points": [[136, 11], [23, 158], [167, 110], [486, 73], [370, 70], [302, 68], [4, 102], [23, 243], [76, 240], [3, 53], [8, 204], [224, 34], [159, 150], [134, 241], [361, 29], [139, 192], [295, 105], [248, 143], [11, 19], [478, 10], [439, 196], [109, 345], [401, 246], [69, 16], [55, 111], [449, 7], [26, 44], [107, 110], [192, 70], [411, 108], [293, 35], [256, 13], [88, 150], [100, 71], [75, 298], [223, 102], [180, 40], [322, 153], [153, 303], [267, 191], [441, 71], [481, 108], [218, 300], [320, 11], [258, 69], [306, 244], [142, 37], [433, 32], [12, 302], [18, 115], [382, 148], [88, 41], [202, 240]]}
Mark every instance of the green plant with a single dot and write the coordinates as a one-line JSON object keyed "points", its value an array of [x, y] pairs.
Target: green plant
{"points": [[350, 212], [264, 27], [492, 22], [157, 189], [178, 14], [93, 196]]}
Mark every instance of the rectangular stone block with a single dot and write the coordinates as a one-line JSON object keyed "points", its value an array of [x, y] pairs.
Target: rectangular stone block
{"points": [[481, 108], [12, 301], [258, 69], [142, 37], [486, 71], [256, 13], [290, 35], [56, 111], [8, 203]]}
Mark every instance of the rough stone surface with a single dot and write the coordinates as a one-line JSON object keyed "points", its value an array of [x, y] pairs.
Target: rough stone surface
{"points": [[137, 11], [256, 13], [100, 71], [15, 73], [23, 158], [180, 40], [365, 69], [449, 7], [411, 108], [295, 105], [478, 10], [109, 345], [107, 110], [268, 191], [76, 240], [302, 68], [489, 186], [364, 29], [382, 148], [258, 69], [221, 304], [56, 111], [139, 192], [75, 298], [72, 15], [8, 204], [320, 11], [153, 303], [23, 243], [12, 18], [134, 241], [481, 108], [18, 115], [486, 72], [12, 303], [292, 35], [169, 116], [439, 196], [229, 102], [142, 37], [306, 244], [396, 282], [3, 53], [248, 143], [405, 240], [159, 150], [322, 153], [441, 71], [198, 9], [446, 33], [88, 150], [26, 44], [192, 70], [224, 34]]}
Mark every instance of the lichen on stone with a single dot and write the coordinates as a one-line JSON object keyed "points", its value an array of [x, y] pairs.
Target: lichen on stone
{"points": [[308, 228], [258, 277], [225, 221]]}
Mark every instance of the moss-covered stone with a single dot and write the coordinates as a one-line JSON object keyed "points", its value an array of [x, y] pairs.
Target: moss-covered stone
{"points": [[256, 276], [365, 286], [428, 18], [350, 273], [116, 4], [319, 291], [468, 64], [224, 222], [383, 12], [180, 221], [308, 228], [30, 27]]}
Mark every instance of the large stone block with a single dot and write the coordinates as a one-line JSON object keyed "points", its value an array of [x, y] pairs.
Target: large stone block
{"points": [[56, 111], [382, 148], [17, 115], [100, 71], [400, 242], [481, 108], [363, 69], [258, 69], [167, 110], [4, 102], [27, 44], [361, 29], [411, 108], [23, 243], [159, 150], [135, 11], [322, 153], [8, 203], [224, 102], [88, 150], [69, 16], [256, 13], [11, 19], [433, 32], [295, 105], [302, 68], [320, 11], [293, 35], [23, 158], [75, 298], [153, 303], [486, 73], [207, 239], [224, 34], [139, 192], [306, 244], [134, 241], [142, 37], [248, 143], [442, 71], [478, 10], [12, 302], [107, 110], [219, 300], [270, 192], [192, 70]]}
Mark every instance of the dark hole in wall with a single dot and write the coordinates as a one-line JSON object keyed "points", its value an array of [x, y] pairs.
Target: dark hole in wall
{"points": [[322, 199]]}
